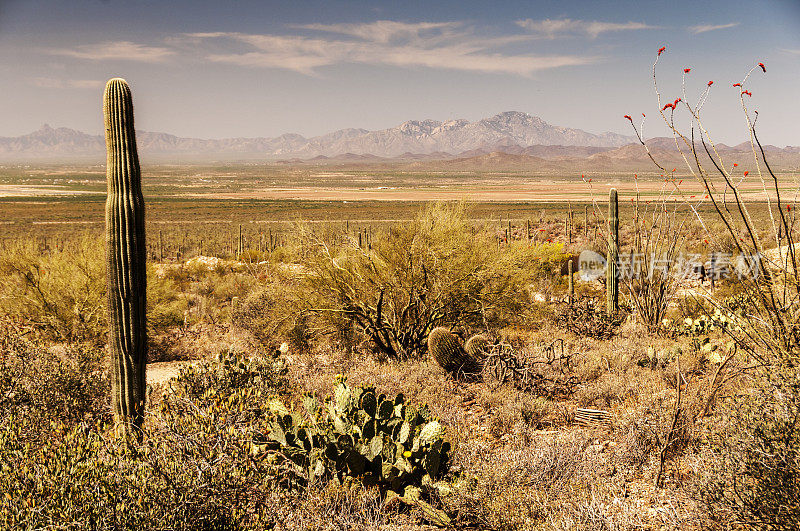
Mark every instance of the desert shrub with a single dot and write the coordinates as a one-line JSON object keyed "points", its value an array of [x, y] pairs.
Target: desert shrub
{"points": [[433, 271], [522, 487], [166, 303], [271, 311], [66, 383], [585, 319], [647, 431], [193, 470], [752, 471], [61, 292]]}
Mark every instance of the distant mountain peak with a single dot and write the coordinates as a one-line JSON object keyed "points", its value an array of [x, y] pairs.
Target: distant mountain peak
{"points": [[421, 137]]}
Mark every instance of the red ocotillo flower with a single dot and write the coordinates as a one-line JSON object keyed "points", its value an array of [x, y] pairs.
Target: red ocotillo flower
{"points": [[628, 117], [764, 68], [675, 103], [737, 84], [661, 49], [745, 173], [710, 83], [668, 106], [747, 92], [788, 208], [735, 164], [687, 70]]}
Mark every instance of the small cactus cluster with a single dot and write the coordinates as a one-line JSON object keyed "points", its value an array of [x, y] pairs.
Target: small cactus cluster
{"points": [[358, 434], [446, 349]]}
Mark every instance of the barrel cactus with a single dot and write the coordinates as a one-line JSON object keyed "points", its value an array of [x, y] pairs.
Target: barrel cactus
{"points": [[612, 275], [477, 346], [449, 354], [125, 260]]}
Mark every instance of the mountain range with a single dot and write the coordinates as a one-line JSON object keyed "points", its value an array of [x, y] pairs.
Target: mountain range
{"points": [[410, 138], [508, 141]]}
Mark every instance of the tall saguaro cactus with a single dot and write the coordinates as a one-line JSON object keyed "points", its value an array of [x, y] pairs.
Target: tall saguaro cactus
{"points": [[125, 260], [612, 277]]}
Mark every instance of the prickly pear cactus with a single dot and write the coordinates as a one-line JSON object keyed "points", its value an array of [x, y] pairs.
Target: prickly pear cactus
{"points": [[125, 260], [357, 433], [449, 354]]}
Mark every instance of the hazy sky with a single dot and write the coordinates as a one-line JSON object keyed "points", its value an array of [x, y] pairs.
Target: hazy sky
{"points": [[249, 68]]}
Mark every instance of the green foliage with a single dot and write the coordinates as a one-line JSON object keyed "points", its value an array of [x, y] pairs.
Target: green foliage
{"points": [[193, 470], [436, 270], [67, 383], [61, 293], [380, 440], [269, 312]]}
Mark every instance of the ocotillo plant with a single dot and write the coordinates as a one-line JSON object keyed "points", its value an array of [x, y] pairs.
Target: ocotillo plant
{"points": [[586, 221], [612, 280], [126, 260]]}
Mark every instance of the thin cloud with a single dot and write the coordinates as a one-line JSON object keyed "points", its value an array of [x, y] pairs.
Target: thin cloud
{"points": [[49, 82], [702, 28], [790, 51], [550, 28], [447, 45], [386, 31], [123, 50]]}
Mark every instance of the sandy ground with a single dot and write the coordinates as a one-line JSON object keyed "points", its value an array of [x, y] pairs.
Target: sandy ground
{"points": [[34, 190], [538, 191], [517, 189]]}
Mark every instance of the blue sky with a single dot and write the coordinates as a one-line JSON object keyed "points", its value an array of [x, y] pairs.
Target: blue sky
{"points": [[246, 68]]}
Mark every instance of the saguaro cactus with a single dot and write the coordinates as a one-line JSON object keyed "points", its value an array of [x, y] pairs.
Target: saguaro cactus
{"points": [[126, 260], [571, 285], [612, 277]]}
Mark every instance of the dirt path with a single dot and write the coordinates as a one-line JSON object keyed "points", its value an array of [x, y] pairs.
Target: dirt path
{"points": [[164, 371]]}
